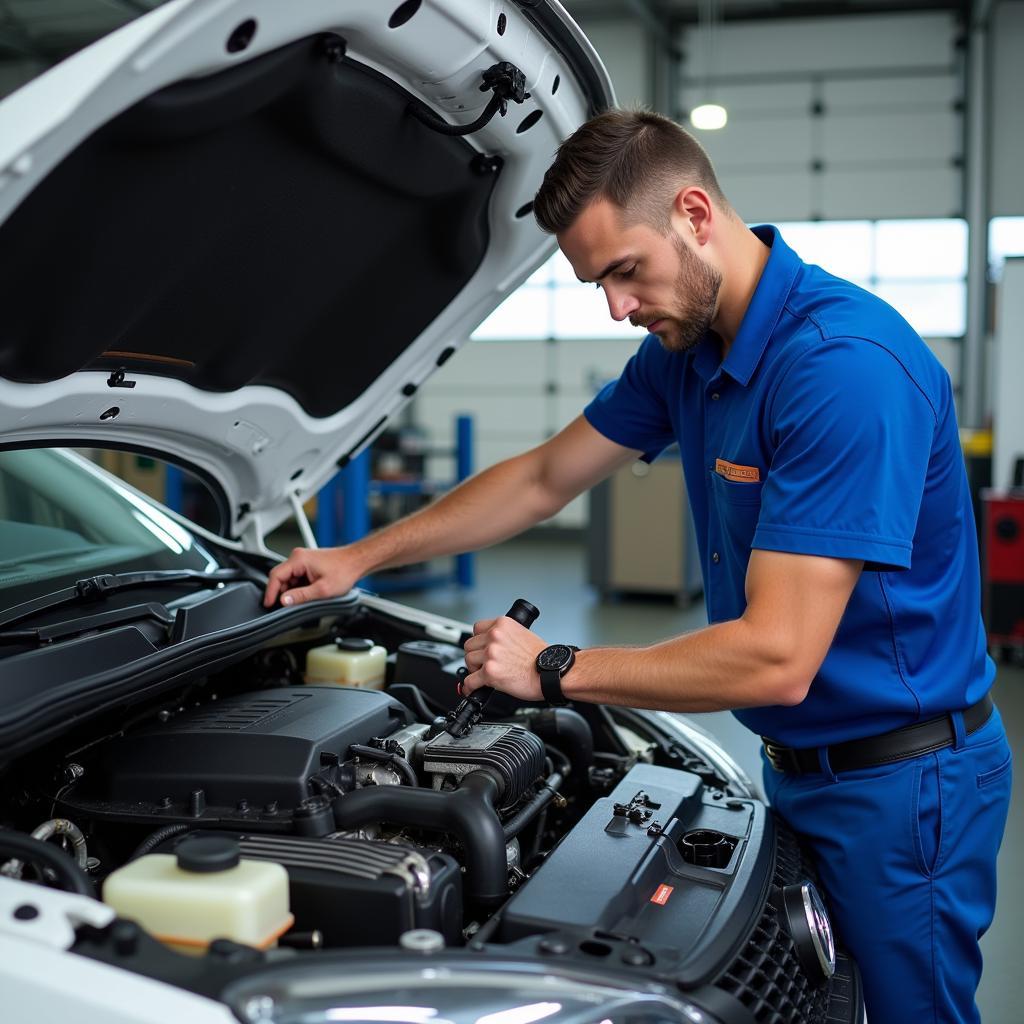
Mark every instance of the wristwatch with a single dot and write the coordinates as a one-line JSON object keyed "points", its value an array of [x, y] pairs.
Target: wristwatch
{"points": [[552, 663]]}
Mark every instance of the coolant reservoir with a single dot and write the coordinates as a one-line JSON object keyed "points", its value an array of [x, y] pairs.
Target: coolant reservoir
{"points": [[348, 661], [203, 891]]}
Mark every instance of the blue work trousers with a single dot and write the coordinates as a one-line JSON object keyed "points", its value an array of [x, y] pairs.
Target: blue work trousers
{"points": [[907, 853]]}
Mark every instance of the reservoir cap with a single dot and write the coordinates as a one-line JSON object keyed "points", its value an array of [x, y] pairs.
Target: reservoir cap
{"points": [[205, 854], [353, 643]]}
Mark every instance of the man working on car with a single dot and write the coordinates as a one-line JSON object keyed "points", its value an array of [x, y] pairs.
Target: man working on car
{"points": [[819, 443]]}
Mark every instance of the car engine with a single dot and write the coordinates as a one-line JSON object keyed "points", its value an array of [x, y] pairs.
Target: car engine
{"points": [[577, 835]]}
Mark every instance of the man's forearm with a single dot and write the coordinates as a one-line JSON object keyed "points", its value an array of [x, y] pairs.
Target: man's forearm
{"points": [[490, 507], [723, 666]]}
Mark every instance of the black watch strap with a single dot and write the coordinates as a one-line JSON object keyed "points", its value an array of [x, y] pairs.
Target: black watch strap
{"points": [[551, 687], [551, 682]]}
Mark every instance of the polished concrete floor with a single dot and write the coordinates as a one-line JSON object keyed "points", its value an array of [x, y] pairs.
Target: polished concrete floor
{"points": [[552, 574]]}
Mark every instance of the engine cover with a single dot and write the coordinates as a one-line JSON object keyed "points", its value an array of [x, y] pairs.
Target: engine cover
{"points": [[259, 748]]}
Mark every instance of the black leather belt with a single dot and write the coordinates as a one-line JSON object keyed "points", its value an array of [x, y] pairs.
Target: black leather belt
{"points": [[898, 745]]}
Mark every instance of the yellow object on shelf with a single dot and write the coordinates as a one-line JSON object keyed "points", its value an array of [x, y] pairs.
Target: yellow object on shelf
{"points": [[202, 892], [976, 442], [348, 661]]}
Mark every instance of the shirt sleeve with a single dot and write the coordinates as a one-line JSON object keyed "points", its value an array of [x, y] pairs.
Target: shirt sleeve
{"points": [[852, 435], [633, 411]]}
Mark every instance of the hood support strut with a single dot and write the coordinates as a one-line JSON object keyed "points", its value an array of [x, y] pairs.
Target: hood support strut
{"points": [[302, 520]]}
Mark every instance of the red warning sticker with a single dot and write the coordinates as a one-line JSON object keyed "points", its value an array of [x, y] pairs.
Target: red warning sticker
{"points": [[661, 894]]}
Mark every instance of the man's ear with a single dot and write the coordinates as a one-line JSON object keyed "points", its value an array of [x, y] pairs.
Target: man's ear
{"points": [[693, 214]]}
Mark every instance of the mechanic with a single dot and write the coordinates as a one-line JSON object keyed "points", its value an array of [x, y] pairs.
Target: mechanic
{"points": [[820, 449]]}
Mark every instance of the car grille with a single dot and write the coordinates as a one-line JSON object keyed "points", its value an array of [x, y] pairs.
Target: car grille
{"points": [[767, 977]]}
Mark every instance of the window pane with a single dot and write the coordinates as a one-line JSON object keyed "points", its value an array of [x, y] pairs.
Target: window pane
{"points": [[1005, 238], [581, 312], [843, 248], [921, 249], [564, 274], [526, 313], [37, 35], [935, 309]]}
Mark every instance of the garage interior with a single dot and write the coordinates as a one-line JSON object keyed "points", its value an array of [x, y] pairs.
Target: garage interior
{"points": [[886, 139], [860, 128]]}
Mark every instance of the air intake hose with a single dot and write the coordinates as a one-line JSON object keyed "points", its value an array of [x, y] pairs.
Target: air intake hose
{"points": [[467, 812], [567, 729]]}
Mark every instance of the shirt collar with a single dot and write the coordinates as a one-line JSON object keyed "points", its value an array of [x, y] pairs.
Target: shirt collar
{"points": [[762, 314]]}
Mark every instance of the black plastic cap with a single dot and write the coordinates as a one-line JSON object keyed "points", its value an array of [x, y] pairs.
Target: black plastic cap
{"points": [[206, 854], [353, 643]]}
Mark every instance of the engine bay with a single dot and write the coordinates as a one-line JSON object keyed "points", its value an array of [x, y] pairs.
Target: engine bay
{"points": [[592, 833]]}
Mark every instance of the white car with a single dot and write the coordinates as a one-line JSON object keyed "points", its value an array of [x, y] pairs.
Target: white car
{"points": [[239, 236]]}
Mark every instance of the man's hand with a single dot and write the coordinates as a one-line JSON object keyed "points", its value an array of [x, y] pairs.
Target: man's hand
{"points": [[501, 653], [311, 573]]}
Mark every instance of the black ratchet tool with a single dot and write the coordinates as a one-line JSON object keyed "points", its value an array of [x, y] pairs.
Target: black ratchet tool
{"points": [[470, 711]]}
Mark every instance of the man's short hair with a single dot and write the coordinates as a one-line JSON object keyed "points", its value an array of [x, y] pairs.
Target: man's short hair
{"points": [[636, 159]]}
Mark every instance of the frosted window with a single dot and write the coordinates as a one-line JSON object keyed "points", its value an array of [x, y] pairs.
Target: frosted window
{"points": [[936, 309], [843, 248], [921, 249], [563, 272], [582, 312], [1005, 238], [525, 314]]}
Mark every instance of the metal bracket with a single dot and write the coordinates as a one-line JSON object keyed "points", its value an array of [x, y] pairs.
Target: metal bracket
{"points": [[117, 379]]}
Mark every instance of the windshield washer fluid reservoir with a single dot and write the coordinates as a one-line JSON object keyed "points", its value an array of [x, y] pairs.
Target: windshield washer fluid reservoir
{"points": [[348, 661], [201, 892]]}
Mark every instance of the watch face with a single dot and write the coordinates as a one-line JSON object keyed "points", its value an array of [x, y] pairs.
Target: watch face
{"points": [[554, 658]]}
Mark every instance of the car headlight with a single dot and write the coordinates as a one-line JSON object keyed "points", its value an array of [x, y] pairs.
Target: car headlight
{"points": [[810, 929], [448, 993]]}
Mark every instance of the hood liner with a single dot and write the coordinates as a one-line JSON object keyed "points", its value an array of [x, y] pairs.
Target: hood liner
{"points": [[286, 222]]}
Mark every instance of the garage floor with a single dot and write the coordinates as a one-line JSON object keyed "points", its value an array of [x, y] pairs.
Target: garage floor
{"points": [[552, 575]]}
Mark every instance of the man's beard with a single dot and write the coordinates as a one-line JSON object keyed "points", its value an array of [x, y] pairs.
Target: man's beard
{"points": [[697, 285]]}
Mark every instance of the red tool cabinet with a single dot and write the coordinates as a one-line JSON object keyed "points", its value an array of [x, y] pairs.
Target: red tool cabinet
{"points": [[1003, 570]]}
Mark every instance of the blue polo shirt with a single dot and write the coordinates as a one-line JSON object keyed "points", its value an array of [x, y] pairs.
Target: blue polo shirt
{"points": [[828, 430]]}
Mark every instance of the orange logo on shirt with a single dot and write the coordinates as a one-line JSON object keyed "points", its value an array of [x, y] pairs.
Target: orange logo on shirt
{"points": [[740, 474]]}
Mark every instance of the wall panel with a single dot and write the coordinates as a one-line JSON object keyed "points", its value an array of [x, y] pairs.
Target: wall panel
{"points": [[1007, 162], [840, 117]]}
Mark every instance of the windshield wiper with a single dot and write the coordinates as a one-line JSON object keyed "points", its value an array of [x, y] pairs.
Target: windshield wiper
{"points": [[96, 588], [152, 612]]}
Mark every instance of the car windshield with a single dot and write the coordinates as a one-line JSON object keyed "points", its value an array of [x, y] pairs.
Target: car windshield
{"points": [[34, 36], [63, 518]]}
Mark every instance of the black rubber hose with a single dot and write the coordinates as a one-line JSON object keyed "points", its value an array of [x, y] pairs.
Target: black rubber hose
{"points": [[571, 731], [403, 767], [519, 821], [70, 876], [431, 120], [412, 697], [554, 754], [467, 812], [152, 841]]}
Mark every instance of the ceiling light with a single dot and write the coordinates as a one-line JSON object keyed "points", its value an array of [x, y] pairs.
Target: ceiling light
{"points": [[709, 117], [706, 114]]}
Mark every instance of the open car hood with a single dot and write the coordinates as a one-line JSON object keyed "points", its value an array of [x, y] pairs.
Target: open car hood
{"points": [[227, 239]]}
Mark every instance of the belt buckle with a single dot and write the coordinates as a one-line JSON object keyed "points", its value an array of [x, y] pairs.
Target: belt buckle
{"points": [[777, 758]]}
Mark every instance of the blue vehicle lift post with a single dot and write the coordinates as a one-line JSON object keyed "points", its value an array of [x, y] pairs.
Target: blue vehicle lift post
{"points": [[352, 487]]}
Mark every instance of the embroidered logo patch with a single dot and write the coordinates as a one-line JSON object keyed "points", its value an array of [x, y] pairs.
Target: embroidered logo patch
{"points": [[740, 474], [661, 894]]}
